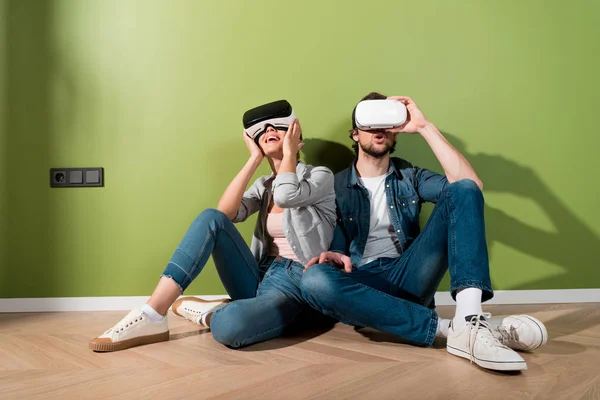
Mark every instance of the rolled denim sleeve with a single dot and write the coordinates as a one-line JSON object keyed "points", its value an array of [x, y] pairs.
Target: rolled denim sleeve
{"points": [[290, 192], [251, 202], [429, 184]]}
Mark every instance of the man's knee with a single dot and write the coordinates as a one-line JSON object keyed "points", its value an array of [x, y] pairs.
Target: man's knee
{"points": [[465, 189], [317, 283], [464, 186]]}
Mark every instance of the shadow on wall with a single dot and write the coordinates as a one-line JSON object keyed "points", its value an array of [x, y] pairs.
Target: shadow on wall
{"points": [[333, 155], [572, 245]]}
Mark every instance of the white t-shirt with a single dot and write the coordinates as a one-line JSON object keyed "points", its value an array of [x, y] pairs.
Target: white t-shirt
{"points": [[382, 240]]}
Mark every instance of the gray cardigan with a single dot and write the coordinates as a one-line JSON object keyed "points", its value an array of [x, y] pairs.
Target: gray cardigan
{"points": [[308, 200]]}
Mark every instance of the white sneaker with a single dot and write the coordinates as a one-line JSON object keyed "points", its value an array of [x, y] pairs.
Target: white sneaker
{"points": [[196, 310], [520, 332], [135, 329], [475, 341]]}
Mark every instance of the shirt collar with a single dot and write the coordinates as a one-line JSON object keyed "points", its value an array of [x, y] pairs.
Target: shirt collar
{"points": [[353, 179]]}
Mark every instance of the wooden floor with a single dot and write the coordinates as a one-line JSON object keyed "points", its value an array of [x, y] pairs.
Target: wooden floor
{"points": [[45, 356]]}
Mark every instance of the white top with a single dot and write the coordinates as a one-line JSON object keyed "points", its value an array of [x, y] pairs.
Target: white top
{"points": [[280, 246], [382, 240]]}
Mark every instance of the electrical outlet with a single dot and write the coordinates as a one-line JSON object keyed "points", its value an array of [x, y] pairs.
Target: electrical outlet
{"points": [[76, 177]]}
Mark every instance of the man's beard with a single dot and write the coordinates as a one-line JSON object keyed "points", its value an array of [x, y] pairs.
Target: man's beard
{"points": [[378, 153]]}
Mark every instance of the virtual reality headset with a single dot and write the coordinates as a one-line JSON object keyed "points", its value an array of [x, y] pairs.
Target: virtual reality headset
{"points": [[379, 114], [278, 114]]}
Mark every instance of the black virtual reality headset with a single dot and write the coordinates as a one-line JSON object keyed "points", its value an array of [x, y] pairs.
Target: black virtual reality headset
{"points": [[278, 114]]}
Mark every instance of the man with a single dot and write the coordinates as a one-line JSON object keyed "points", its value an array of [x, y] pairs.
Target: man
{"points": [[382, 272]]}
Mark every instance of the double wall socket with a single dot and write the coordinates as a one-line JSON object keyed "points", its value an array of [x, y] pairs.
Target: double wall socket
{"points": [[76, 177]]}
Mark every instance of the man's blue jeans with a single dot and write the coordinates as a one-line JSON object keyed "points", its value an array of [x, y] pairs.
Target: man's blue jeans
{"points": [[396, 295], [267, 297]]}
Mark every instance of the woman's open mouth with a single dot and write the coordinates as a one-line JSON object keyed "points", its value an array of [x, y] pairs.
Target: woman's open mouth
{"points": [[272, 139]]}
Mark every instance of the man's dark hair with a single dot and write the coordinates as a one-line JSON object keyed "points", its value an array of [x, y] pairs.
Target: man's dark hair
{"points": [[370, 96]]}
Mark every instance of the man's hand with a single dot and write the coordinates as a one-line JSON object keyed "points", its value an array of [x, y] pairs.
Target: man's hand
{"points": [[415, 119], [330, 257], [292, 142], [455, 165], [255, 151]]}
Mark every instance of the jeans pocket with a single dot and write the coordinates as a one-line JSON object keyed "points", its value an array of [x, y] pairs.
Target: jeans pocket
{"points": [[271, 269], [350, 223], [295, 271], [409, 203]]}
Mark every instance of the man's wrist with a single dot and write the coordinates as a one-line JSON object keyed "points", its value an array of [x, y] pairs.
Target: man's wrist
{"points": [[426, 127]]}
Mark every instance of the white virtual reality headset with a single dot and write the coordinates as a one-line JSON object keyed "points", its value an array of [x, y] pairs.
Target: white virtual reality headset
{"points": [[379, 114], [278, 114]]}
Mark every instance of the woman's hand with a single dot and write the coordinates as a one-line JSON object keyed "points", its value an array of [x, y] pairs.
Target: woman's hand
{"points": [[255, 151], [292, 142]]}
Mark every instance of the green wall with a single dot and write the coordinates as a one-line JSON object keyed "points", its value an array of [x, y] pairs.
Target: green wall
{"points": [[3, 134], [153, 91]]}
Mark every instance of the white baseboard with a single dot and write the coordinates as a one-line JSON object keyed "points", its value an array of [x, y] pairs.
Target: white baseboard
{"points": [[53, 304]]}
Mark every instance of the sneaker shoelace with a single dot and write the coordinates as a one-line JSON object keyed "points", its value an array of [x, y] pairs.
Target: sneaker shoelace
{"points": [[193, 315], [507, 336], [125, 323], [479, 326]]}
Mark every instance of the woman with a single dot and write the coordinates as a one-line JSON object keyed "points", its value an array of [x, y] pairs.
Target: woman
{"points": [[296, 206]]}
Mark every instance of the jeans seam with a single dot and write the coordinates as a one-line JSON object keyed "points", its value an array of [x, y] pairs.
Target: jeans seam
{"points": [[433, 323], [239, 250], [454, 286], [178, 266], [196, 263], [277, 327], [452, 265], [393, 266], [289, 271], [197, 259], [428, 339], [185, 280], [264, 279], [407, 303], [270, 271]]}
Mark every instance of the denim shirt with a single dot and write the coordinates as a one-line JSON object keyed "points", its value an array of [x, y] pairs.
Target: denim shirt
{"points": [[406, 188], [308, 201]]}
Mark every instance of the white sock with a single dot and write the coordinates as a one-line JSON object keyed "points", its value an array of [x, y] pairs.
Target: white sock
{"points": [[442, 328], [152, 313], [468, 302]]}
